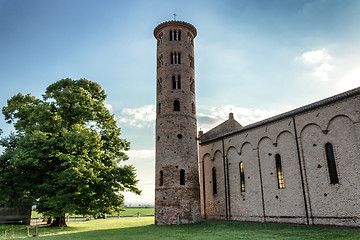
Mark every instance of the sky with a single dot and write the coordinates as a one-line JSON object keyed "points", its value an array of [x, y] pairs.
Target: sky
{"points": [[255, 58]]}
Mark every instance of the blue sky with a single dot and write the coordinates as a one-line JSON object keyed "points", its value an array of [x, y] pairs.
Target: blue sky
{"points": [[257, 58]]}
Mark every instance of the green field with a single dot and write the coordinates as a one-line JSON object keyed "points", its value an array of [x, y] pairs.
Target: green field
{"points": [[128, 212], [144, 228]]}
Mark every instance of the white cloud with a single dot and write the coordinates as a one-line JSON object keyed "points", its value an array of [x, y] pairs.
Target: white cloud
{"points": [[349, 81], [322, 71], [138, 117], [109, 106], [320, 63], [316, 56], [217, 115]]}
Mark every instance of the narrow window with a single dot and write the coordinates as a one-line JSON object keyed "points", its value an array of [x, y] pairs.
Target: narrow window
{"points": [[182, 177], [331, 163], [279, 172], [214, 180], [176, 105], [159, 85], [161, 178], [171, 35], [159, 108], [193, 108], [174, 82], [179, 35], [178, 60], [242, 176], [192, 85], [172, 57], [179, 82]]}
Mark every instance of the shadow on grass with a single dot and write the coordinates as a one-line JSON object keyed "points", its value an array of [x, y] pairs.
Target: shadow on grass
{"points": [[213, 230]]}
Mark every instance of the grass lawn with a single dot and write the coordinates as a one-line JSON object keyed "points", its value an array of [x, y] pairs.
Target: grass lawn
{"points": [[144, 228], [128, 212]]}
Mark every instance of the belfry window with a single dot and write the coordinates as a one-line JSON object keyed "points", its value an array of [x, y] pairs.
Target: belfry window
{"points": [[214, 180], [175, 35], [182, 177], [280, 176], [161, 178], [175, 58], [242, 176], [176, 105], [176, 82], [329, 150]]}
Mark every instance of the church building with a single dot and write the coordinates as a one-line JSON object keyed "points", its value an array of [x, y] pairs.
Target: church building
{"points": [[302, 166]]}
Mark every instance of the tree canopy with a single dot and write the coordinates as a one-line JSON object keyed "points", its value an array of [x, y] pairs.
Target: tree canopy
{"points": [[66, 155]]}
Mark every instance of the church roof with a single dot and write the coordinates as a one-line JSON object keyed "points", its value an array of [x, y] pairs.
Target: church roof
{"points": [[220, 132], [228, 126]]}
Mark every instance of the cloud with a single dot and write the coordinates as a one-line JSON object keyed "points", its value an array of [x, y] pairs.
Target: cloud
{"points": [[349, 81], [138, 117], [216, 115], [316, 56], [319, 60]]}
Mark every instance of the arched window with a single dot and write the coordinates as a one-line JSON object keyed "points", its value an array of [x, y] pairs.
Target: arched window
{"points": [[242, 176], [175, 58], [171, 35], [176, 105], [329, 150], [161, 178], [182, 177], [279, 171], [214, 180]]}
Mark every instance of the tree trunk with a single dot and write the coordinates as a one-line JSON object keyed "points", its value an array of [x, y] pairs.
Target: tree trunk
{"points": [[59, 222]]}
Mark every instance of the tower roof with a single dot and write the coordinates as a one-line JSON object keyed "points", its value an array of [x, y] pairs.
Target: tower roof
{"points": [[175, 23]]}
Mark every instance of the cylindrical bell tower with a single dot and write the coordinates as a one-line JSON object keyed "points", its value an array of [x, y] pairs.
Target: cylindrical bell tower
{"points": [[177, 190]]}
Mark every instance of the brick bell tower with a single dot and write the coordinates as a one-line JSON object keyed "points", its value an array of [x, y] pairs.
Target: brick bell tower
{"points": [[177, 190]]}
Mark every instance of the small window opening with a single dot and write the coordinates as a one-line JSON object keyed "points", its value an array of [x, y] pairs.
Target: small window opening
{"points": [[171, 36], [214, 180], [192, 85], [160, 61], [242, 177], [179, 136], [191, 61], [176, 105], [161, 178], [159, 108], [329, 150], [182, 177], [193, 108], [279, 171], [176, 82], [175, 58], [160, 85]]}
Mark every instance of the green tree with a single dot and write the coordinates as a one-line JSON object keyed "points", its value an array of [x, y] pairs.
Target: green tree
{"points": [[66, 156]]}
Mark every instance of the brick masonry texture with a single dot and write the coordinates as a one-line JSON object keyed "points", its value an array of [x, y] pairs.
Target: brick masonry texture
{"points": [[176, 137], [299, 137]]}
